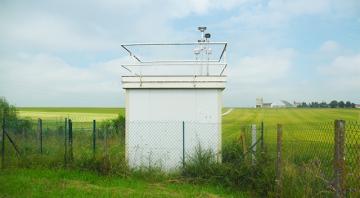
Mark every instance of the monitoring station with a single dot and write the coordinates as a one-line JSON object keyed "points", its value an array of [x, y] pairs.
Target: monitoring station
{"points": [[173, 100]]}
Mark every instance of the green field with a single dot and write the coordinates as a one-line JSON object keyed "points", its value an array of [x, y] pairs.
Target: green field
{"points": [[238, 115], [231, 122], [77, 114], [308, 134]]}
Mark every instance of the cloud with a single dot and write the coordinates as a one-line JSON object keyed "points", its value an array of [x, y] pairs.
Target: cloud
{"points": [[42, 79], [343, 75], [45, 46], [277, 13], [345, 66], [329, 46], [262, 68]]}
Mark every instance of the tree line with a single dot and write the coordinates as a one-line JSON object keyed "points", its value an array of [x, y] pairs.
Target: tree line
{"points": [[332, 104]]}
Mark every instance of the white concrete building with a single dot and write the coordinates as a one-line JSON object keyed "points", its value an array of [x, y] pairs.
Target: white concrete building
{"points": [[168, 116]]}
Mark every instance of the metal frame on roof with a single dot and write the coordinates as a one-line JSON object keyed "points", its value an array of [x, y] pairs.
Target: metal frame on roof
{"points": [[221, 61]]}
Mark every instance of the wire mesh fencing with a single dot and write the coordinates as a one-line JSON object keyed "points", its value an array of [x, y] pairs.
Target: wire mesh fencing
{"points": [[321, 159], [352, 158], [60, 142], [169, 145]]}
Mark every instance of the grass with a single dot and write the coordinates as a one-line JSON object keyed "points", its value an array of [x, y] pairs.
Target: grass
{"points": [[72, 183], [77, 114], [304, 140]]}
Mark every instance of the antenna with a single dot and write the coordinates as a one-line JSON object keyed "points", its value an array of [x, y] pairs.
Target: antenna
{"points": [[203, 49]]}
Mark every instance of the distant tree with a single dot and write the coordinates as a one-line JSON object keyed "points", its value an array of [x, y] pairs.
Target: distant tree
{"points": [[7, 110], [12, 121], [316, 105], [348, 104], [341, 104], [353, 105], [312, 104], [333, 104], [323, 105], [304, 105]]}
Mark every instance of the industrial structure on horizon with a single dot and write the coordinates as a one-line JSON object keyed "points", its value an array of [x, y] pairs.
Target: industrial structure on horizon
{"points": [[281, 104]]}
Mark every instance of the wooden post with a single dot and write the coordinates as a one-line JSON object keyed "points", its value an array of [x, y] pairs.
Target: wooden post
{"points": [[40, 135], [243, 141], [253, 143], [339, 162], [278, 181]]}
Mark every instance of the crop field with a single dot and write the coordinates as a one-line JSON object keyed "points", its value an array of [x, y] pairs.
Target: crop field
{"points": [[307, 135]]}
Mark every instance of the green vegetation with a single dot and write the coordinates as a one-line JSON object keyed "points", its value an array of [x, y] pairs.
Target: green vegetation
{"points": [[308, 138], [76, 114], [72, 183]]}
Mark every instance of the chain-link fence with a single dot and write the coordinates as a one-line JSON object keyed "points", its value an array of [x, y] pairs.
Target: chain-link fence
{"points": [[59, 142], [321, 159], [169, 144], [352, 157]]}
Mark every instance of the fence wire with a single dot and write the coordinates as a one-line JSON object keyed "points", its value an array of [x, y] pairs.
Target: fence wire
{"points": [[352, 157], [168, 145], [307, 148]]}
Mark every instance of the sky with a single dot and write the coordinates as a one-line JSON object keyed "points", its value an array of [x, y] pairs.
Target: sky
{"points": [[68, 53]]}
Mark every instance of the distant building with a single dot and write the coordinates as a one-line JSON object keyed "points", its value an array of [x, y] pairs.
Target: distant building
{"points": [[357, 106], [287, 104], [259, 102], [296, 104], [267, 105]]}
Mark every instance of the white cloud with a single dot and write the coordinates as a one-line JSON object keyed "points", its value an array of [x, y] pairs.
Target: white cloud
{"points": [[276, 13], [329, 46], [262, 68], [343, 76], [46, 31], [345, 66], [43, 79]]}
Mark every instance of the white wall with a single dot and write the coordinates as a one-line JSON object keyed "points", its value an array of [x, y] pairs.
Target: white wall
{"points": [[154, 118]]}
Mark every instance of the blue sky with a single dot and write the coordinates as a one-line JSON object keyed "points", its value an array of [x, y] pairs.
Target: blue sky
{"points": [[67, 53]]}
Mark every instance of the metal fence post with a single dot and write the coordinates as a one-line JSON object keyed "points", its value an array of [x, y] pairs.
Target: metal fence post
{"points": [[262, 136], [3, 142], [339, 162], [94, 138], [71, 156], [65, 141], [40, 135], [278, 181], [106, 144], [183, 151], [253, 143]]}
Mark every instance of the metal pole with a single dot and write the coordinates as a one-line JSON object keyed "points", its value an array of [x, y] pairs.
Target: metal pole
{"points": [[262, 136], [278, 181], [339, 162], [41, 135], [94, 137], [65, 141], [3, 142], [183, 133], [71, 140]]}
